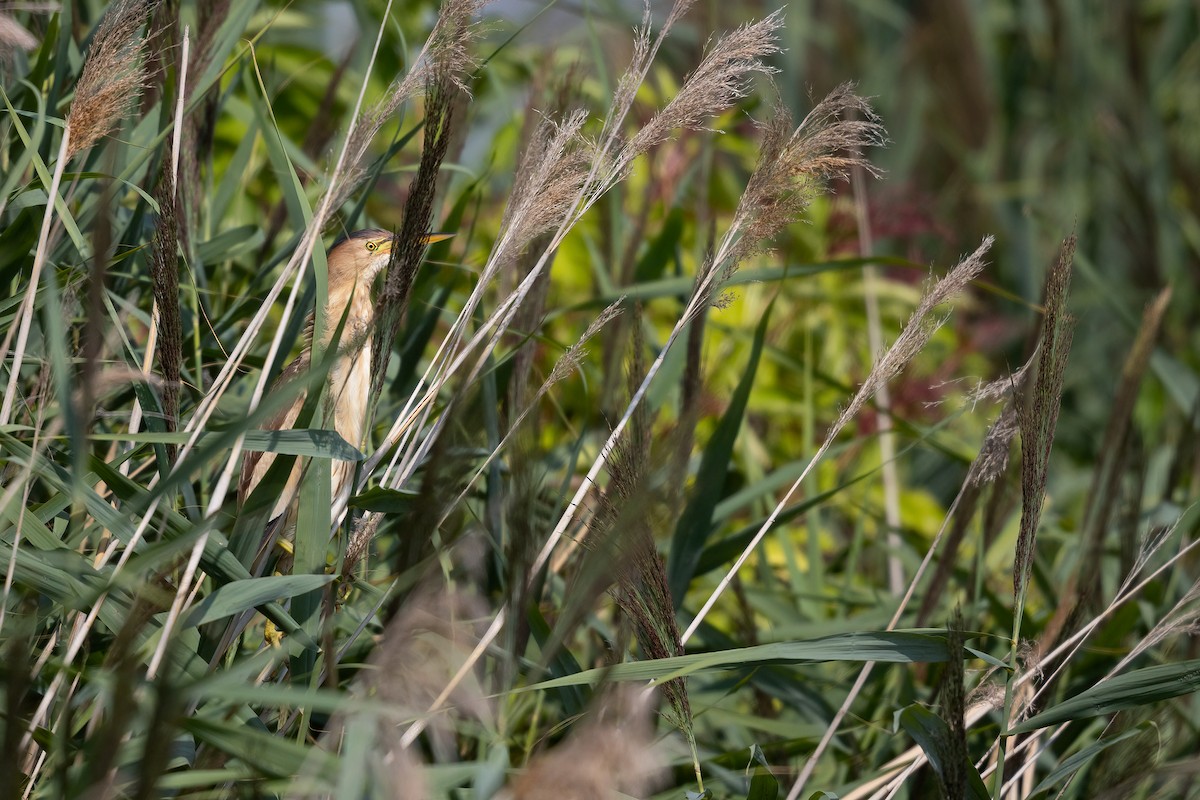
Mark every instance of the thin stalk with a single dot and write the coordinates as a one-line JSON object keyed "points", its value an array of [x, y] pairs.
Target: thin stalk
{"points": [[39, 262], [883, 398]]}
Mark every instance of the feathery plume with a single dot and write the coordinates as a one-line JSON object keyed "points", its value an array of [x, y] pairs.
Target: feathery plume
{"points": [[644, 51], [918, 330], [444, 61], [1037, 416], [993, 454], [113, 76], [721, 79], [794, 164], [612, 751], [912, 339], [550, 174]]}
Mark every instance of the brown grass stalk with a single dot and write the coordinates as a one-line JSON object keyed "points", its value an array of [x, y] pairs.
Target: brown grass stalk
{"points": [[410, 247], [611, 155], [164, 273], [623, 520], [1037, 417]]}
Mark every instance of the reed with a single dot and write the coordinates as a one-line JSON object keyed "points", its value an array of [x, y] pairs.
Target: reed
{"points": [[637, 377]]}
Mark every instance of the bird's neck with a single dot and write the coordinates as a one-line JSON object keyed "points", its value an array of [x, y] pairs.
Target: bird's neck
{"points": [[350, 376], [358, 318]]}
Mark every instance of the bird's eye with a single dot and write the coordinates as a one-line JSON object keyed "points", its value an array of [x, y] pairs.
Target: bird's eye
{"points": [[372, 246]]}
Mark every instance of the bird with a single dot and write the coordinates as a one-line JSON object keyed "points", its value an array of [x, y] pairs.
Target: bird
{"points": [[354, 261]]}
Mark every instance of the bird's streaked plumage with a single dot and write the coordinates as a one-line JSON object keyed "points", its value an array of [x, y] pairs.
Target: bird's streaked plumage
{"points": [[353, 264]]}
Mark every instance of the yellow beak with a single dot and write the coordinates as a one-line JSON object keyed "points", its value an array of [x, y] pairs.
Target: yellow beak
{"points": [[386, 245]]}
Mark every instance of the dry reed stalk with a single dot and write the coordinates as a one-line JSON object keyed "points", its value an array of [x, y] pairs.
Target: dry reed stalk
{"points": [[170, 219], [1038, 416], [623, 521], [710, 91], [164, 273], [164, 263], [791, 170], [111, 80], [917, 332]]}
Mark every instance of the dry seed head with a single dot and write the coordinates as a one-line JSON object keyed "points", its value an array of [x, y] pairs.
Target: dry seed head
{"points": [[444, 61], [13, 36], [549, 177], [720, 81], [993, 454], [1007, 386], [632, 78], [574, 356], [792, 168], [612, 750], [113, 75], [918, 330], [1037, 416]]}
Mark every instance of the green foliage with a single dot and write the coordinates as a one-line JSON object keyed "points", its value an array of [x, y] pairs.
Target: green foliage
{"points": [[638, 338]]}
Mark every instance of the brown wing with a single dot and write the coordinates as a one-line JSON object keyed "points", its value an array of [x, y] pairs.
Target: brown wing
{"points": [[256, 463]]}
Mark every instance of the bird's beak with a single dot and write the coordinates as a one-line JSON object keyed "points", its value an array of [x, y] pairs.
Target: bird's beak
{"points": [[429, 238]]}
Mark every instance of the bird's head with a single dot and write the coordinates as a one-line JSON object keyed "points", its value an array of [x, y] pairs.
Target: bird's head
{"points": [[360, 256]]}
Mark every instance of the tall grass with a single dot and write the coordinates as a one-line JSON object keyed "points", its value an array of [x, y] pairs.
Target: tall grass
{"points": [[619, 525]]}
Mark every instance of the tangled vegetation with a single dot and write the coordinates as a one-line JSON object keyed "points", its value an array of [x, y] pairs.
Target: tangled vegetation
{"points": [[804, 406]]}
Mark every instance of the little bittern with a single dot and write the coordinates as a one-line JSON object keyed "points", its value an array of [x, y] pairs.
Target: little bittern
{"points": [[354, 263]]}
